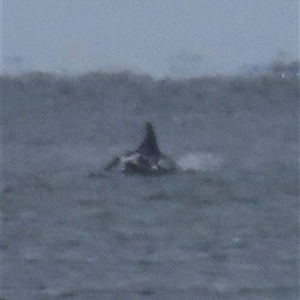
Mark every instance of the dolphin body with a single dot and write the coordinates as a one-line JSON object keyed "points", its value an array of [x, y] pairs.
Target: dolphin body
{"points": [[146, 160]]}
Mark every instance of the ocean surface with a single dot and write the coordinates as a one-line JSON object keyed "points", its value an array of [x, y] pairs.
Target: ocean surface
{"points": [[225, 226]]}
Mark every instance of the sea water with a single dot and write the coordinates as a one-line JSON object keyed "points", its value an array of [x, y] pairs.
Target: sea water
{"points": [[224, 227]]}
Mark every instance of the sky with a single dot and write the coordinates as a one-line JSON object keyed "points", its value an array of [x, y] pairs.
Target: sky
{"points": [[157, 37]]}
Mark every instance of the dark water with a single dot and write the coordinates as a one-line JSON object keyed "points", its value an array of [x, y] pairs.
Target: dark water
{"points": [[225, 227]]}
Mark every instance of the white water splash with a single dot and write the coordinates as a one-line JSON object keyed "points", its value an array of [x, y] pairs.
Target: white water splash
{"points": [[199, 161]]}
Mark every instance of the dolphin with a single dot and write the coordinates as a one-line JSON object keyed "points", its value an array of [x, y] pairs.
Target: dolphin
{"points": [[147, 159]]}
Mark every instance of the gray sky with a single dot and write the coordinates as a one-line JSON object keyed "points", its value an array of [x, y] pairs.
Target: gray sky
{"points": [[159, 37]]}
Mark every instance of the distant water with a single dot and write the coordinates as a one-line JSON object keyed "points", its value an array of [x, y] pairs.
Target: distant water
{"points": [[224, 227]]}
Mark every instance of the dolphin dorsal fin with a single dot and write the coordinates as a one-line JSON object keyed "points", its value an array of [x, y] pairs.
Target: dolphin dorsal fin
{"points": [[149, 145]]}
